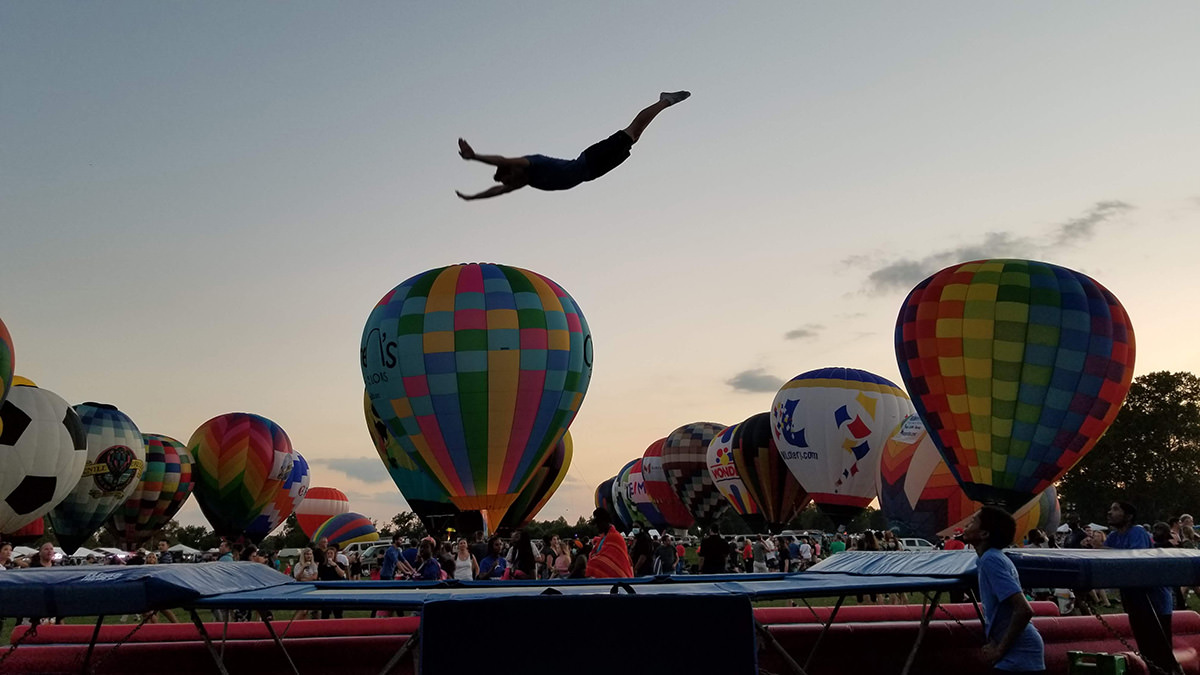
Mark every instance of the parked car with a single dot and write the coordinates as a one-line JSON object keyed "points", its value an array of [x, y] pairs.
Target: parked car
{"points": [[916, 544]]}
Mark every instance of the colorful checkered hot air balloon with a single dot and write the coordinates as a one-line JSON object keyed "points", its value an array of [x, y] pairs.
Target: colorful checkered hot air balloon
{"points": [[289, 495], [7, 361], [166, 484], [541, 487], [674, 513], [773, 488], [319, 505], [729, 483], [685, 460], [830, 426], [1017, 367], [346, 528], [116, 458], [239, 462], [477, 370], [425, 497]]}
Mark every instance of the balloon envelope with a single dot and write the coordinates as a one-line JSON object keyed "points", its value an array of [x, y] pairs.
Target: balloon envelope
{"points": [[424, 496], [28, 534], [1017, 368], [685, 460], [627, 514], [290, 494], [641, 499], [165, 485], [724, 472], [779, 496], [917, 493], [674, 513], [604, 498], [541, 487], [477, 370], [346, 528], [7, 362], [240, 461], [43, 449], [830, 425], [319, 505]]}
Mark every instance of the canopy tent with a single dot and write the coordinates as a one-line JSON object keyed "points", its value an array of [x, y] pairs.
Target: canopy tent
{"points": [[24, 550], [82, 552], [185, 549]]}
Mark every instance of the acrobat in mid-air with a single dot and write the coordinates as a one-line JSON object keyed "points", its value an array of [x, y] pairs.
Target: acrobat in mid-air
{"points": [[550, 173]]}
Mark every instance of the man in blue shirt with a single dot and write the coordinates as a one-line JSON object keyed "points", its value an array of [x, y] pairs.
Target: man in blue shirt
{"points": [[1149, 609], [387, 568], [1013, 644], [550, 173]]}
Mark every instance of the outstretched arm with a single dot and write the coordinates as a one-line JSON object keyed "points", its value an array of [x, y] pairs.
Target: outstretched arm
{"points": [[467, 152], [493, 191]]}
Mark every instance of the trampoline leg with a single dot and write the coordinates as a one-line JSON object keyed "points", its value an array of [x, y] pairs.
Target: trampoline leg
{"points": [[912, 655], [409, 644], [774, 644], [87, 659], [286, 655], [208, 642], [829, 622]]}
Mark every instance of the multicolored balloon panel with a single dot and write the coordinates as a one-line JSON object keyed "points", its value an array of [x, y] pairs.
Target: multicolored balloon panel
{"points": [[290, 494], [346, 528], [424, 496], [7, 362], [27, 534], [166, 484], [541, 487], [658, 487], [477, 370], [685, 460], [779, 496], [917, 492], [830, 426], [626, 513], [116, 458], [319, 505], [641, 499], [1017, 367], [724, 472], [239, 461]]}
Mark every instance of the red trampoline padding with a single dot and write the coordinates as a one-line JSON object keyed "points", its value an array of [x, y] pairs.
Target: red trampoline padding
{"points": [[182, 632], [876, 613]]}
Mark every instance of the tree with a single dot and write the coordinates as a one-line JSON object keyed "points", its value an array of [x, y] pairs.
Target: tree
{"points": [[406, 524], [291, 536], [1149, 457]]}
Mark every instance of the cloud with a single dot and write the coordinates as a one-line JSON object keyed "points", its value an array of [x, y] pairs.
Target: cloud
{"points": [[369, 469], [756, 381], [904, 273], [804, 332]]}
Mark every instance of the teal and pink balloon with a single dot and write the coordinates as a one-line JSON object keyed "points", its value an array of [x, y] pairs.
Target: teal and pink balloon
{"points": [[477, 370], [774, 489], [43, 450], [7, 361], [239, 462], [541, 487], [724, 472], [830, 426], [673, 511], [290, 494], [116, 457], [685, 461], [165, 485], [425, 497], [1017, 368], [346, 528]]}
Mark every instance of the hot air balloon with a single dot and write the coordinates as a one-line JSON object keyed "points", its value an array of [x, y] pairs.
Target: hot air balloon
{"points": [[477, 370], [319, 505], [239, 462], [830, 426], [346, 528], [604, 498], [7, 362], [685, 460], [674, 513], [26, 535], [729, 483], [1041, 513], [425, 497], [641, 499], [541, 487], [917, 492], [43, 449], [778, 495], [116, 458], [1017, 368], [290, 494], [166, 484], [626, 494], [627, 515]]}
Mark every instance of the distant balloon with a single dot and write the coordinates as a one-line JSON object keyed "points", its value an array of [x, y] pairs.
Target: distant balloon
{"points": [[779, 496], [603, 497], [830, 426], [641, 498], [7, 362], [116, 458], [630, 485], [346, 528], [43, 449], [165, 485], [28, 534], [627, 514], [685, 460], [541, 487], [319, 505], [290, 494], [477, 370], [725, 475], [1041, 513], [1017, 367], [240, 460], [658, 487], [424, 496]]}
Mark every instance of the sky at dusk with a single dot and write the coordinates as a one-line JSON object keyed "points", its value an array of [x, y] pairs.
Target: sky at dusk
{"points": [[200, 203]]}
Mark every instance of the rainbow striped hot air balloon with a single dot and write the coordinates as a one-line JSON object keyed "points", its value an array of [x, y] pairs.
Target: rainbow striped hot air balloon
{"points": [[240, 460], [7, 362], [346, 528], [658, 488], [477, 370], [287, 498], [1017, 367], [319, 505], [166, 484], [541, 487], [685, 461]]}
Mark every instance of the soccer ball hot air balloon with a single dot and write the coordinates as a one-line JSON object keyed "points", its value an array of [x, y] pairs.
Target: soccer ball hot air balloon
{"points": [[239, 462], [685, 461], [290, 494], [425, 497], [767, 480], [830, 426], [7, 362], [166, 484], [346, 528], [477, 370], [729, 483], [1017, 367], [674, 513], [541, 487], [116, 458], [319, 505], [43, 450]]}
